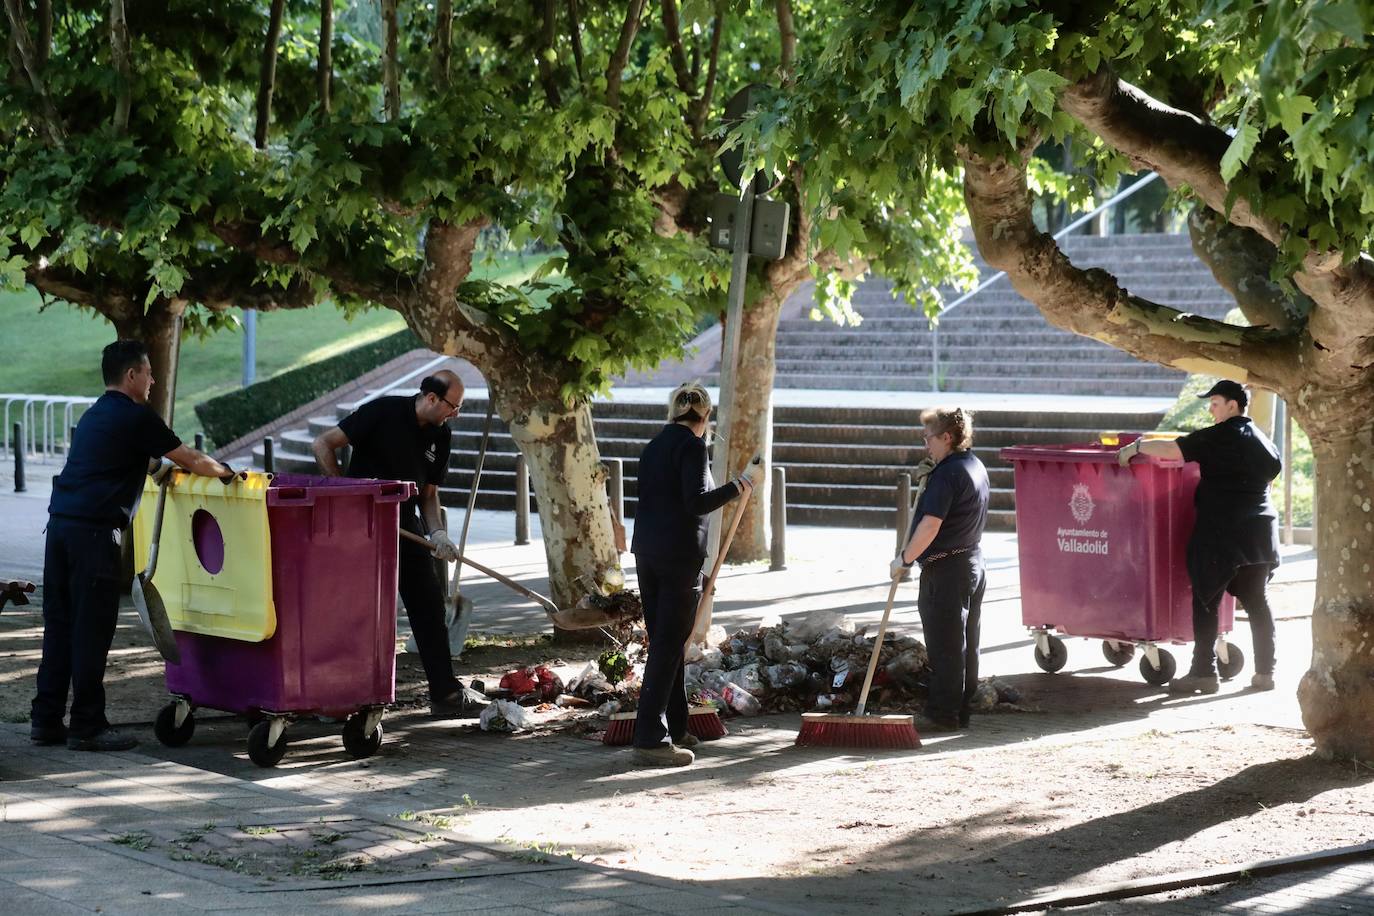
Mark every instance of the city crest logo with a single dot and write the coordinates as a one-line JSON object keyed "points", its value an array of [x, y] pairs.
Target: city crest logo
{"points": [[1081, 503]]}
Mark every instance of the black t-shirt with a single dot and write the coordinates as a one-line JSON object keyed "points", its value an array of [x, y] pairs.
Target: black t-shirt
{"points": [[957, 493], [1236, 521], [675, 495], [103, 477], [390, 444]]}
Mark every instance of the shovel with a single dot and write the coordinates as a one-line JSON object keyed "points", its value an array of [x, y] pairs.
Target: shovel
{"points": [[151, 609], [574, 618]]}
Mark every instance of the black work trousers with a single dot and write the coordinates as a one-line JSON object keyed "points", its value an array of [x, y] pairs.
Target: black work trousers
{"points": [[81, 565], [422, 592], [670, 590], [1248, 584], [951, 606]]}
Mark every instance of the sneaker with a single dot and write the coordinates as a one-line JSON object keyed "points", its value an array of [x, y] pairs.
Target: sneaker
{"points": [[1194, 683], [928, 726], [48, 735], [1262, 682], [665, 755], [107, 740], [688, 741]]}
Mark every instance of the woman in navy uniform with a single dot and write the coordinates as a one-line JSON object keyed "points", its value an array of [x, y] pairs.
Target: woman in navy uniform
{"points": [[946, 531], [676, 495], [1235, 542]]}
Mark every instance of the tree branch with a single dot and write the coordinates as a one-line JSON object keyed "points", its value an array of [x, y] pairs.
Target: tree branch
{"points": [[673, 30], [1242, 261], [267, 74], [575, 33], [544, 52], [703, 104], [615, 71], [391, 71], [23, 49], [324, 69], [119, 56], [388, 289], [442, 46], [787, 35], [1093, 304]]}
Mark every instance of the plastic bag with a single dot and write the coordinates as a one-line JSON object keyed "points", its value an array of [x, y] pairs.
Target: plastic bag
{"points": [[520, 682], [749, 677], [550, 685], [504, 716], [817, 623], [712, 659]]}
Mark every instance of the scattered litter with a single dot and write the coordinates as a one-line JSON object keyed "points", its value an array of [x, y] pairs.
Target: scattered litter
{"points": [[504, 716]]}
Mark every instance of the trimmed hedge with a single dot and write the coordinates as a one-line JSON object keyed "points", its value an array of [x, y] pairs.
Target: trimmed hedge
{"points": [[238, 413]]}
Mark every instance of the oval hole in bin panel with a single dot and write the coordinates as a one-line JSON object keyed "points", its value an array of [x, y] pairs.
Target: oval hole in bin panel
{"points": [[209, 541]]}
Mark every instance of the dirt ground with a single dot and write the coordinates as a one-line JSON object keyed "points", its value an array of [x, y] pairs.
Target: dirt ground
{"points": [[1024, 807]]}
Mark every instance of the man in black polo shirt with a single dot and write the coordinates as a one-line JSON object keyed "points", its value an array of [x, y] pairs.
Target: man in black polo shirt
{"points": [[945, 538], [407, 438], [93, 500], [1235, 541]]}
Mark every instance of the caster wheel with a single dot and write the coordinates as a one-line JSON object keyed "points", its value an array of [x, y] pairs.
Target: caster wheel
{"points": [[1235, 661], [259, 751], [355, 742], [1161, 675], [1119, 656], [165, 726], [1058, 655]]}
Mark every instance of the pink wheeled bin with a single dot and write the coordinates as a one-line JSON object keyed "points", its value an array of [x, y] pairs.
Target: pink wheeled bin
{"points": [[1103, 555], [282, 595]]}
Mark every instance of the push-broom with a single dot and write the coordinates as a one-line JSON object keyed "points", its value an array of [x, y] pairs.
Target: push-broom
{"points": [[702, 721], [828, 729]]}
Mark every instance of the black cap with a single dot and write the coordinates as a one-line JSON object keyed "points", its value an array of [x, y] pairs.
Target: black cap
{"points": [[1231, 391]]}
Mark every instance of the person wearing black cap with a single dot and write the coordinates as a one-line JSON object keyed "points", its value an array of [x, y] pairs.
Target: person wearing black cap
{"points": [[406, 437], [94, 499], [1235, 542]]}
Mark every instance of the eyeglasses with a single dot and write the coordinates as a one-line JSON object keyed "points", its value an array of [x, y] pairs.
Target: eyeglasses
{"points": [[452, 406]]}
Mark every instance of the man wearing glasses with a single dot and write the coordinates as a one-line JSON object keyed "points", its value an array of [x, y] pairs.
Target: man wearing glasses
{"points": [[407, 438]]}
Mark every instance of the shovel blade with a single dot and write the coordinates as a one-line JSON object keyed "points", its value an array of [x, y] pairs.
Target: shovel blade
{"points": [[153, 613]]}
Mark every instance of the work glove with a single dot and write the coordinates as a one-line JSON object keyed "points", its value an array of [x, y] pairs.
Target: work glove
{"points": [[161, 470], [444, 549], [1126, 453], [229, 478], [897, 568], [755, 471], [923, 469]]}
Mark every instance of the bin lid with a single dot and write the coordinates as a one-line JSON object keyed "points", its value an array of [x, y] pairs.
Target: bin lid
{"points": [[1078, 452]]}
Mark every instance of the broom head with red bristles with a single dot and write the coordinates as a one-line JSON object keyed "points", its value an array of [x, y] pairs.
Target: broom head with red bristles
{"points": [[702, 721], [826, 729]]}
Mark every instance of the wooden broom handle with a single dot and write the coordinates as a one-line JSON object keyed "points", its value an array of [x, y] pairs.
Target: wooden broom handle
{"points": [[877, 648], [709, 588]]}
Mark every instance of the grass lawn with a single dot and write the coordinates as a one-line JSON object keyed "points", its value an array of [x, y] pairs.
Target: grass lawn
{"points": [[57, 350]]}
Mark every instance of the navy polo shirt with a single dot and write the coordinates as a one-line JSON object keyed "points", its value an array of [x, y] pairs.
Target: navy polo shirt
{"points": [[1236, 522], [957, 493], [103, 477], [390, 444]]}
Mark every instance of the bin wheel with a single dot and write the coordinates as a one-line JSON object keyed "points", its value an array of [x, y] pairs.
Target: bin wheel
{"points": [[166, 730], [355, 742], [259, 751], [1234, 663], [1057, 658], [1119, 656], [1161, 675]]}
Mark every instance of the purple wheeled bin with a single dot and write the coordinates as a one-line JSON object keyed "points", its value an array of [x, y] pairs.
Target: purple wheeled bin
{"points": [[334, 567]]}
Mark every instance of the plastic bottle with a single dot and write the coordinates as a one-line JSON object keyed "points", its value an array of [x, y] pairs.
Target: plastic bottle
{"points": [[741, 700]]}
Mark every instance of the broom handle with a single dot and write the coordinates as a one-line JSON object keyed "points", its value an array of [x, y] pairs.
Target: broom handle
{"points": [[709, 588], [472, 493], [877, 648]]}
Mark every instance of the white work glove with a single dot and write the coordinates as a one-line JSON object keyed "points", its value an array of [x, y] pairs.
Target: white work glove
{"points": [[744, 483], [754, 472], [923, 469], [162, 470], [444, 549], [1126, 453], [897, 568]]}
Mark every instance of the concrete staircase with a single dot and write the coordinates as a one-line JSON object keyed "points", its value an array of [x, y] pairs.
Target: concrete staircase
{"points": [[998, 341], [842, 463]]}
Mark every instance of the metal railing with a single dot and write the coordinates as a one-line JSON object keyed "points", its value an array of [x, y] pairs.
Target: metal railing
{"points": [[1062, 233], [39, 414], [392, 386]]}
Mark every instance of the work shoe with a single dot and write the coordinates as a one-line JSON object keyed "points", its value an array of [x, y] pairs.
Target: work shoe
{"points": [[925, 725], [665, 755], [48, 735], [107, 740], [1190, 684], [688, 741], [1262, 682], [462, 703]]}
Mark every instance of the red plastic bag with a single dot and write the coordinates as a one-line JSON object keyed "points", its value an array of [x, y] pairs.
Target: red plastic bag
{"points": [[550, 684], [520, 682]]}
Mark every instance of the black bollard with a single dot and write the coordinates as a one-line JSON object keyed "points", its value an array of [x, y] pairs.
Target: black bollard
{"points": [[19, 483], [200, 442], [269, 458]]}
